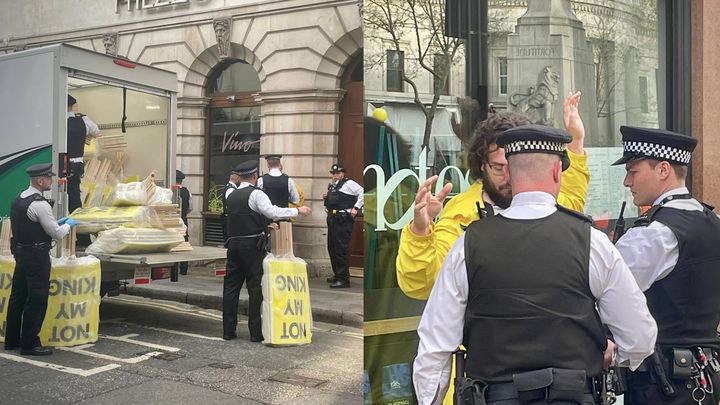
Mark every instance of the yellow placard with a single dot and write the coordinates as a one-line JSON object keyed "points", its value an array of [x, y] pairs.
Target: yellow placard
{"points": [[73, 311], [287, 317], [7, 268]]}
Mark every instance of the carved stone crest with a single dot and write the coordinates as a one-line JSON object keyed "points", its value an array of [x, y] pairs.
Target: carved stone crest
{"points": [[222, 28], [538, 103], [110, 41]]}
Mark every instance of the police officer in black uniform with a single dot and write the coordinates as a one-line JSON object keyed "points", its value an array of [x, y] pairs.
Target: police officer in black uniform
{"points": [[343, 201], [673, 250], [278, 185], [33, 227], [185, 207], [527, 291], [231, 186], [249, 214], [79, 129]]}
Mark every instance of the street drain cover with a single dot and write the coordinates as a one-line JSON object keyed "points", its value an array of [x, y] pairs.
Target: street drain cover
{"points": [[221, 365], [296, 379], [169, 356]]}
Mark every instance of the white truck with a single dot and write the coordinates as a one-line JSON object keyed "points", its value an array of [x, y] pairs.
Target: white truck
{"points": [[123, 98]]}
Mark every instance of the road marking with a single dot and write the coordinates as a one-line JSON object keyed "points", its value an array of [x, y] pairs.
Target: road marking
{"points": [[126, 339], [57, 367], [202, 314], [175, 332], [132, 360]]}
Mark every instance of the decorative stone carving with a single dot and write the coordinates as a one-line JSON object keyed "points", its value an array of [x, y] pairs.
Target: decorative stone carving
{"points": [[222, 28], [539, 101], [110, 41]]}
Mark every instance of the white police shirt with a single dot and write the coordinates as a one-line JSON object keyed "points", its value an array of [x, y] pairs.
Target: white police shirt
{"points": [[294, 195], [652, 251], [620, 304], [260, 203], [40, 211]]}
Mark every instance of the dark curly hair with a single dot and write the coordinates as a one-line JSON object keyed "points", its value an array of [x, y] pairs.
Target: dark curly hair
{"points": [[485, 135]]}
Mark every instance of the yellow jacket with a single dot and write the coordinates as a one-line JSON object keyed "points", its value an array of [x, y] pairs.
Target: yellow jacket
{"points": [[419, 257]]}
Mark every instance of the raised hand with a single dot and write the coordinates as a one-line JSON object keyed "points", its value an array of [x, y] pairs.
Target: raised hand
{"points": [[427, 206], [573, 123]]}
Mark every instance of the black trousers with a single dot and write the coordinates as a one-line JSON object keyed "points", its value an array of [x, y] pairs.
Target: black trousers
{"points": [[244, 263], [184, 265], [28, 298], [76, 170], [340, 227], [644, 389]]}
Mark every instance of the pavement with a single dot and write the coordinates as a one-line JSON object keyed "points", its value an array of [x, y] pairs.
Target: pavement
{"points": [[200, 287]]}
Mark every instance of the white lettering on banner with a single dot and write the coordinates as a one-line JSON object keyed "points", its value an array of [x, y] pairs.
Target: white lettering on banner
{"points": [[145, 4], [386, 189], [231, 143]]}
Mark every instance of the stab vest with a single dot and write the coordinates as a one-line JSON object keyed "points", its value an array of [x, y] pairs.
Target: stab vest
{"points": [[242, 221], [24, 230], [276, 189], [184, 195], [337, 200], [529, 301], [76, 132], [686, 303]]}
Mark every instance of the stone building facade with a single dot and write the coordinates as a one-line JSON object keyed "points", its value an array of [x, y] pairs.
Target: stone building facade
{"points": [[301, 51]]}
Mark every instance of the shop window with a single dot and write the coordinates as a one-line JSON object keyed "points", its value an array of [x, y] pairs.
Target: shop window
{"points": [[233, 132], [395, 66], [502, 76]]}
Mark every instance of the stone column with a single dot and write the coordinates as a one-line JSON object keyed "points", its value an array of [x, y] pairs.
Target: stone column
{"points": [[190, 150], [549, 56], [302, 125]]}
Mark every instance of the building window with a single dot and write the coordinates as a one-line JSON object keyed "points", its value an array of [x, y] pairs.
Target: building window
{"points": [[395, 67], [502, 76], [441, 68], [644, 95]]}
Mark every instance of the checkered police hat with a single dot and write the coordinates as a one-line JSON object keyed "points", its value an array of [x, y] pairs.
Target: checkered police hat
{"points": [[659, 144], [535, 139]]}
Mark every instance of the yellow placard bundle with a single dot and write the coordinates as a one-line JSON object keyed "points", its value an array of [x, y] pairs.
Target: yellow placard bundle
{"points": [[286, 313]]}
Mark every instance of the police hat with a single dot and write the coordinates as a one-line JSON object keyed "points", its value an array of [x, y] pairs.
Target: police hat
{"points": [[337, 168], [71, 101], [659, 144], [536, 139], [179, 175], [246, 167], [273, 157], [40, 169]]}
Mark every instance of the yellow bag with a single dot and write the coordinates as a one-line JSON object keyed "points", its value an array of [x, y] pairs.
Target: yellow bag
{"points": [[7, 269], [73, 311], [286, 313]]}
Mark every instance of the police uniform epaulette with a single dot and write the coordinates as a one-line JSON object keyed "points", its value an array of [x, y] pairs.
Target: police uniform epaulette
{"points": [[647, 217], [574, 213], [708, 206]]}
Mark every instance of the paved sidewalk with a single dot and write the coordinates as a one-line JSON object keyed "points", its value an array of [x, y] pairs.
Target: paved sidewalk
{"points": [[342, 306]]}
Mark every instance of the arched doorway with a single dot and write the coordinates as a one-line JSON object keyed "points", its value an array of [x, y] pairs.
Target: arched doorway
{"points": [[232, 135], [351, 145]]}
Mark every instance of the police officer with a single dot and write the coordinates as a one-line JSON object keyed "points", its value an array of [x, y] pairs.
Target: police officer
{"points": [[33, 228], [231, 186], [79, 129], [520, 290], [673, 252], [278, 185], [185, 207], [249, 213], [343, 201]]}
